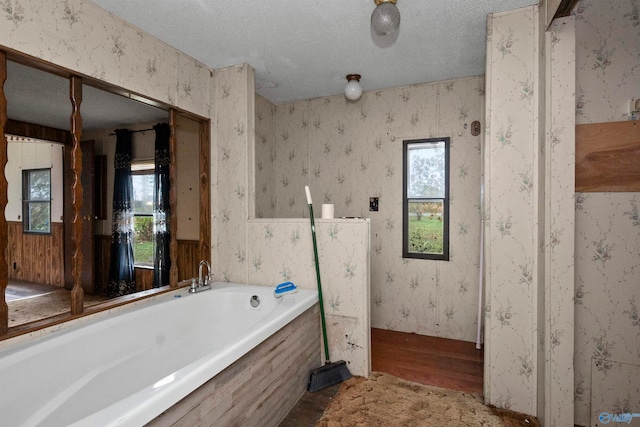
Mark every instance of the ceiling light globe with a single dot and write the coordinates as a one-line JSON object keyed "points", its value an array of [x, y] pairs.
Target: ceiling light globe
{"points": [[353, 90], [385, 18]]}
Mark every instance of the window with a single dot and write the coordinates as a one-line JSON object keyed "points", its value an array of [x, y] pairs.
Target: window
{"points": [[426, 199], [143, 179], [36, 201]]}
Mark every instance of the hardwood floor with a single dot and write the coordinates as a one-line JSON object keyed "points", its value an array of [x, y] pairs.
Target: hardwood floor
{"points": [[440, 362]]}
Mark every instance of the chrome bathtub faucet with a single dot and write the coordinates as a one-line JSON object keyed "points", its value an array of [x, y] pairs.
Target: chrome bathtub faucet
{"points": [[203, 283]]}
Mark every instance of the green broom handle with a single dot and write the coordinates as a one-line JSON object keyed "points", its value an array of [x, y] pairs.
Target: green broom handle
{"points": [[315, 254]]}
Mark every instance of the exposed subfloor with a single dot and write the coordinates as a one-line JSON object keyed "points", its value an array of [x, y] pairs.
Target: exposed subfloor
{"points": [[440, 362]]}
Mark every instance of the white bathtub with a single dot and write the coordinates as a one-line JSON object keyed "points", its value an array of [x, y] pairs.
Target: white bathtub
{"points": [[126, 367]]}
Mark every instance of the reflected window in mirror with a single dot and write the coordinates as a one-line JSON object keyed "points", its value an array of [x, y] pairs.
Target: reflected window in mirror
{"points": [[36, 201], [143, 180]]}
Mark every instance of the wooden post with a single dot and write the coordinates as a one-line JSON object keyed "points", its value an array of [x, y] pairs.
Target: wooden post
{"points": [[4, 239], [77, 293], [173, 219]]}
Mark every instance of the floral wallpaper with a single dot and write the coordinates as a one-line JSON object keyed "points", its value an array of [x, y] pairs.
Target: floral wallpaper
{"points": [[275, 248], [529, 214], [607, 295], [603, 285], [81, 36], [607, 299], [347, 152], [607, 36], [264, 193], [282, 250], [511, 217], [233, 97]]}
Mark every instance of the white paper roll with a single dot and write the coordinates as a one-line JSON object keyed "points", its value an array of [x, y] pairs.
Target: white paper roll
{"points": [[327, 211]]}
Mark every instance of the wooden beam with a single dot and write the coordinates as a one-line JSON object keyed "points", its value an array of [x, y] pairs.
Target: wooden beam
{"points": [[77, 293], [4, 238], [30, 130], [608, 157]]}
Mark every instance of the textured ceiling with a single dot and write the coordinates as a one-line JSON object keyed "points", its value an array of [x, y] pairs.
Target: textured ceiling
{"points": [[299, 48], [304, 48]]}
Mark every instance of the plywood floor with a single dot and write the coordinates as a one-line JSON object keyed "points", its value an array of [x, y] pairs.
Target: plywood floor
{"points": [[440, 362]]}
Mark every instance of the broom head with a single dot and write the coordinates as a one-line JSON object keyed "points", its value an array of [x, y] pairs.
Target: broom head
{"points": [[328, 375]]}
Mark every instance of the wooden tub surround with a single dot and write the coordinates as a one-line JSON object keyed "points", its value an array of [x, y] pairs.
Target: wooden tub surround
{"points": [[261, 387]]}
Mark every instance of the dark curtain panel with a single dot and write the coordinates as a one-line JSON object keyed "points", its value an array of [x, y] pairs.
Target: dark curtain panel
{"points": [[161, 208], [121, 272]]}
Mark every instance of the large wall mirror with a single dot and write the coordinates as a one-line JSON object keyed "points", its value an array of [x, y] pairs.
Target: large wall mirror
{"points": [[40, 180]]}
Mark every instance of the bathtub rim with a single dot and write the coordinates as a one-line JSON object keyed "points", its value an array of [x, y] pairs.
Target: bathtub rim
{"points": [[62, 321], [100, 312]]}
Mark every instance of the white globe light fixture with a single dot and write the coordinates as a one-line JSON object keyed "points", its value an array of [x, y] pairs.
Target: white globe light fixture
{"points": [[385, 18], [353, 90]]}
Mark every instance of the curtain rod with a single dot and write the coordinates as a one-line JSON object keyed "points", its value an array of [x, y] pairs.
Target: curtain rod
{"points": [[133, 131], [141, 130]]}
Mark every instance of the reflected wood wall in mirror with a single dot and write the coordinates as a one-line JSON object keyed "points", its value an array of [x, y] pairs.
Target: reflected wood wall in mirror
{"points": [[34, 257]]}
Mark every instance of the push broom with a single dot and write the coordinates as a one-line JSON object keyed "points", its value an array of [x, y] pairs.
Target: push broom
{"points": [[330, 373]]}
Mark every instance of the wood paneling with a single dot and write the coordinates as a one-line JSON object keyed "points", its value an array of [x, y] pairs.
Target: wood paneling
{"points": [[15, 127], [205, 192], [100, 187], [188, 259], [144, 278], [261, 387], [35, 257], [101, 263], [608, 157]]}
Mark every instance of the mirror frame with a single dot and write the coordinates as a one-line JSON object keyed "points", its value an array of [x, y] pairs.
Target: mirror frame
{"points": [[77, 308]]}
